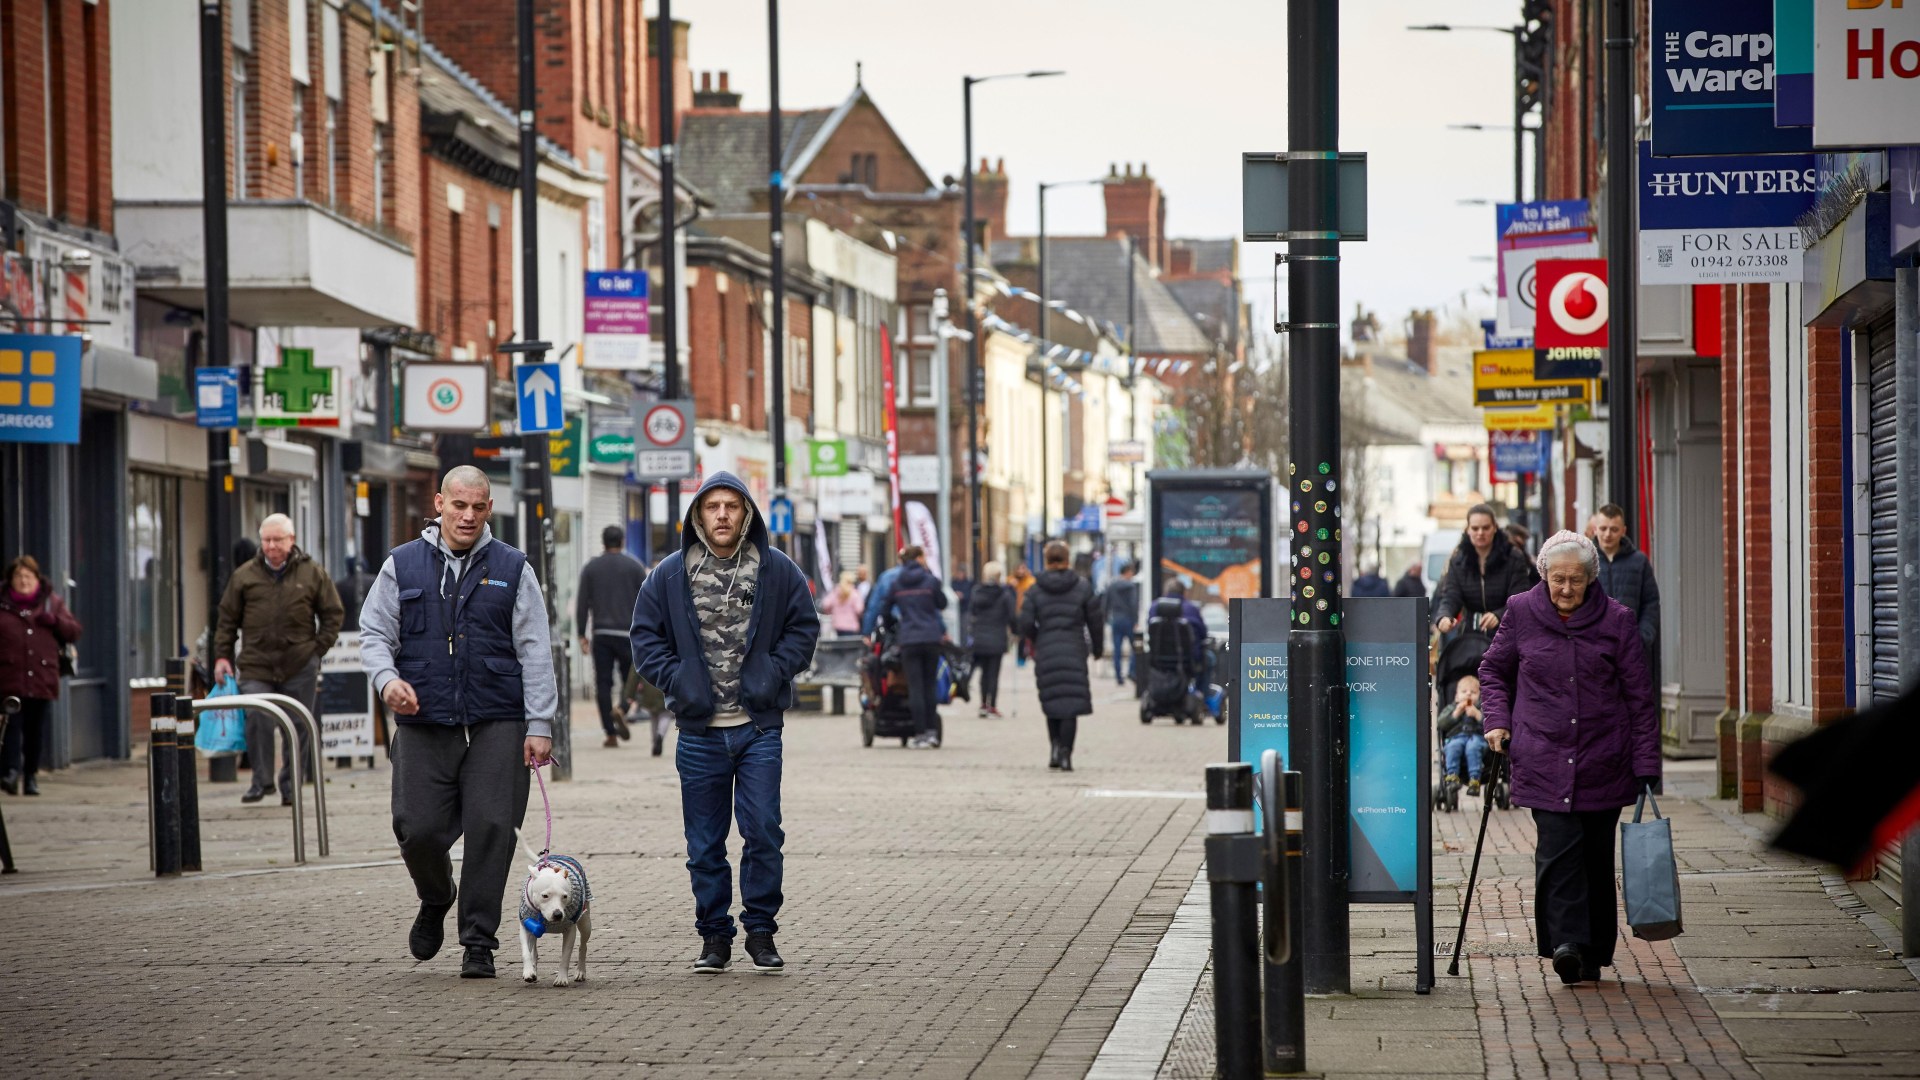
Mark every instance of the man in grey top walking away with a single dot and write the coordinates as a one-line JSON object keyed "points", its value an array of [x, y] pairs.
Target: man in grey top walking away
{"points": [[454, 637], [608, 587]]}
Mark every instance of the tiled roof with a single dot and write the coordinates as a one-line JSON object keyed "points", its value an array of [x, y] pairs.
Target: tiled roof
{"points": [[1089, 274], [1209, 301], [724, 153]]}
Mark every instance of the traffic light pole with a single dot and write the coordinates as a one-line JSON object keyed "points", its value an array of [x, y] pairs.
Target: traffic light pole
{"points": [[1317, 743], [536, 488]]}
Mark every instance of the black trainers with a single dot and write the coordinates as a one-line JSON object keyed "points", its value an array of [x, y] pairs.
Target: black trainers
{"points": [[715, 954], [429, 930], [478, 964], [765, 958]]}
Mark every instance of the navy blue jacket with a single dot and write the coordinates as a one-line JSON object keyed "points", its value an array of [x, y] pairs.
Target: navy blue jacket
{"points": [[918, 597], [779, 635], [458, 652]]}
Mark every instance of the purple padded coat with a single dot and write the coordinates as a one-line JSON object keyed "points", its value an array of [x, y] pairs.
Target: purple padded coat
{"points": [[1577, 698]]}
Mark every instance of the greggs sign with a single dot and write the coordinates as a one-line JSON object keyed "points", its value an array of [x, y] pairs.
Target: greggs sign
{"points": [[1866, 73]]}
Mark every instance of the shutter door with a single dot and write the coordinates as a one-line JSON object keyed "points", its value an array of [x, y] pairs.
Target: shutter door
{"points": [[606, 505], [1883, 540], [848, 555]]}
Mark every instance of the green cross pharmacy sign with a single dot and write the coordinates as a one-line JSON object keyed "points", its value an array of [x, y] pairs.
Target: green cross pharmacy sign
{"points": [[296, 393]]}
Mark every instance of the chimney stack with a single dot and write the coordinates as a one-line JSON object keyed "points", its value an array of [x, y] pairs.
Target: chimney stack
{"points": [[1137, 208], [1420, 339], [990, 200], [709, 98]]}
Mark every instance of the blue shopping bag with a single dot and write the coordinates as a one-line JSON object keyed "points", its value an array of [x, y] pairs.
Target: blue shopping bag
{"points": [[1649, 874], [222, 731]]}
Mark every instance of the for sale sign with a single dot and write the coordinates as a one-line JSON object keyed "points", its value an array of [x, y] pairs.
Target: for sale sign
{"points": [[1710, 220]]}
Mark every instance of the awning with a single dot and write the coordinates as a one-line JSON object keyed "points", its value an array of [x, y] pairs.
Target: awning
{"points": [[375, 461], [105, 369]]}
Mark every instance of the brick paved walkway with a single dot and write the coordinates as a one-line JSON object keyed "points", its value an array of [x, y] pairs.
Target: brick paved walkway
{"points": [[950, 913], [1781, 974]]}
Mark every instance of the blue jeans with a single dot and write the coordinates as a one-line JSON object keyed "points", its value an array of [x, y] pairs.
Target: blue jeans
{"points": [[741, 765], [1471, 747], [1122, 637]]}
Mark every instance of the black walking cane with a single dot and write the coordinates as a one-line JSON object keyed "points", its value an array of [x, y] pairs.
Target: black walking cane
{"points": [[1466, 902]]}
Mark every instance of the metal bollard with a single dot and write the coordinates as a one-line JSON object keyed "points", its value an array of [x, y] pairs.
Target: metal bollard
{"points": [[1233, 869], [1285, 984], [187, 772], [163, 786]]}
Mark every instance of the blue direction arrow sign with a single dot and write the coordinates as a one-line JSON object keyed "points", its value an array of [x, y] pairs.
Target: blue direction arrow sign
{"points": [[780, 516], [537, 386]]}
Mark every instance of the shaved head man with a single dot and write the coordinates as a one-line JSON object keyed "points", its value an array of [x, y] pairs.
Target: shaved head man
{"points": [[454, 637]]}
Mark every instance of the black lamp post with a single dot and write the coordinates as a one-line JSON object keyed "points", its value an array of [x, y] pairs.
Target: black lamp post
{"points": [[967, 238]]}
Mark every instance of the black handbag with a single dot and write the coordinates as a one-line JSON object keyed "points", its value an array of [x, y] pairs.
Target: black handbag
{"points": [[69, 657]]}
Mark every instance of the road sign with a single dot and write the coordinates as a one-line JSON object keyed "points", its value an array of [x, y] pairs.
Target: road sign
{"points": [[617, 320], [438, 396], [216, 396], [1520, 451], [563, 448], [39, 388], [1263, 196], [780, 516], [537, 387], [1127, 452], [296, 392], [664, 448]]}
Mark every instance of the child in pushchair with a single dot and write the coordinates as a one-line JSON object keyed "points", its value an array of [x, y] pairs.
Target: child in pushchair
{"points": [[884, 711], [1464, 758]]}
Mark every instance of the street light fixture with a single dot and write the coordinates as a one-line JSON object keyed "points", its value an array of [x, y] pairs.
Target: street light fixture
{"points": [[1046, 346], [1519, 34], [966, 299]]}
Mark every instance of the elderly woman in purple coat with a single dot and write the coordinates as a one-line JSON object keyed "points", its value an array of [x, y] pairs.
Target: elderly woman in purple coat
{"points": [[1566, 692]]}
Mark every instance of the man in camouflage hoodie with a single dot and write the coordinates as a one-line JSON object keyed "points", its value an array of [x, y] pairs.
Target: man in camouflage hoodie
{"points": [[722, 627]]}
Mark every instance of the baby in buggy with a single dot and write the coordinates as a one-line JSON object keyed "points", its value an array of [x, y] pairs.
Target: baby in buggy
{"points": [[1462, 741]]}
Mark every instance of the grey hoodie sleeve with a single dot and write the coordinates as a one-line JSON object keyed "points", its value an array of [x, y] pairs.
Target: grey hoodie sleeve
{"points": [[380, 628], [535, 650]]}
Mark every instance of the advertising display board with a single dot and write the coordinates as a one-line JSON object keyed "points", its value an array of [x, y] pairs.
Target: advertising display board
{"points": [[40, 388], [1723, 220], [1213, 529], [1389, 792], [1528, 233], [1866, 70], [616, 320], [345, 701], [1713, 80]]}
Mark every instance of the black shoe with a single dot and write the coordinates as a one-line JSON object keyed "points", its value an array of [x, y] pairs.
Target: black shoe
{"points": [[255, 794], [765, 958], [620, 727], [716, 953], [429, 930], [478, 964], [10, 783], [1590, 973], [30, 786], [1066, 760], [1053, 757], [286, 798], [1567, 964]]}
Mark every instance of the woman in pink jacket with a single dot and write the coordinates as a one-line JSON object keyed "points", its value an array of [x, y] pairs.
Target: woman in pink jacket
{"points": [[843, 603]]}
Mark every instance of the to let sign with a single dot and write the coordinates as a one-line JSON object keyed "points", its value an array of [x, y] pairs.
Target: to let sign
{"points": [[617, 320]]}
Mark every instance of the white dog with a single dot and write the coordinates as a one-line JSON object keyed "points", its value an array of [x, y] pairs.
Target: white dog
{"points": [[556, 896]]}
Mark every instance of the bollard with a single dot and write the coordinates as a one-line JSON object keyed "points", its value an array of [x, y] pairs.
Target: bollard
{"points": [[163, 786], [1233, 869], [1285, 980], [8, 706], [187, 772]]}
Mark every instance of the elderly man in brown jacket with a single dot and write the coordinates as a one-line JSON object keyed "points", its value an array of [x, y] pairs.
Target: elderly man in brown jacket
{"points": [[287, 614]]}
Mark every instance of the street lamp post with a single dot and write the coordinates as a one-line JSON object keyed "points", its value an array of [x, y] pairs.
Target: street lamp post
{"points": [[973, 330]]}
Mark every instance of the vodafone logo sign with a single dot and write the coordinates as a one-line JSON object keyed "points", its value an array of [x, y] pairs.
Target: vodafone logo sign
{"points": [[1573, 308]]}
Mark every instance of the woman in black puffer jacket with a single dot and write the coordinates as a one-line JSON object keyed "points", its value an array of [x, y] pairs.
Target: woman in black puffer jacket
{"points": [[990, 608], [1485, 570], [1061, 617]]}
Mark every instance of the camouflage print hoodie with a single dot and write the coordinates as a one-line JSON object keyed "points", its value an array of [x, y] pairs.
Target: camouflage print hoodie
{"points": [[723, 602]]}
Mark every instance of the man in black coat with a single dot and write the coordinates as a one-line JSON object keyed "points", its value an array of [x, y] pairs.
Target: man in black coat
{"points": [[918, 599], [1061, 616], [1627, 576], [1410, 584]]}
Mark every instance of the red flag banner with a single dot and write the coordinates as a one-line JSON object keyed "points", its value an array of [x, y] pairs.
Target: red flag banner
{"points": [[891, 428]]}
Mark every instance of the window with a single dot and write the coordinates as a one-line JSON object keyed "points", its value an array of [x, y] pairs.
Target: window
{"points": [[3, 124], [299, 51], [53, 102], [332, 152], [920, 377], [239, 110], [379, 174], [457, 296], [153, 560], [799, 362], [297, 148], [240, 24], [330, 48], [493, 274]]}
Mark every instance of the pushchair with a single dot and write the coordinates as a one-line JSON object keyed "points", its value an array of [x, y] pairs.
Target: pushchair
{"points": [[1171, 672], [1459, 657], [885, 711]]}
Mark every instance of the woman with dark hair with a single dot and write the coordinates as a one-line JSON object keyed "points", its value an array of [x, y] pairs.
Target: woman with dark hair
{"points": [[34, 626], [1061, 618], [1484, 571], [1565, 691]]}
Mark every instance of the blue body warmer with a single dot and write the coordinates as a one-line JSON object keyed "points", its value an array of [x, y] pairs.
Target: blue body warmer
{"points": [[457, 651]]}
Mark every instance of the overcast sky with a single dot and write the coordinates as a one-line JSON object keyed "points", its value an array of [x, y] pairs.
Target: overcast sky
{"points": [[1184, 88]]}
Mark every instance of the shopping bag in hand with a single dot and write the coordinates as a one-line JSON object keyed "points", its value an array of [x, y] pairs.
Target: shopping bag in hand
{"points": [[1649, 876], [222, 731]]}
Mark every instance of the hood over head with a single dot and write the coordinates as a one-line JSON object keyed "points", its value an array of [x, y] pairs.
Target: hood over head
{"points": [[692, 532], [431, 534], [1058, 580]]}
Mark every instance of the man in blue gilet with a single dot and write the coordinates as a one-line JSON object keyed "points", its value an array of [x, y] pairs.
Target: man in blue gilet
{"points": [[454, 637]]}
